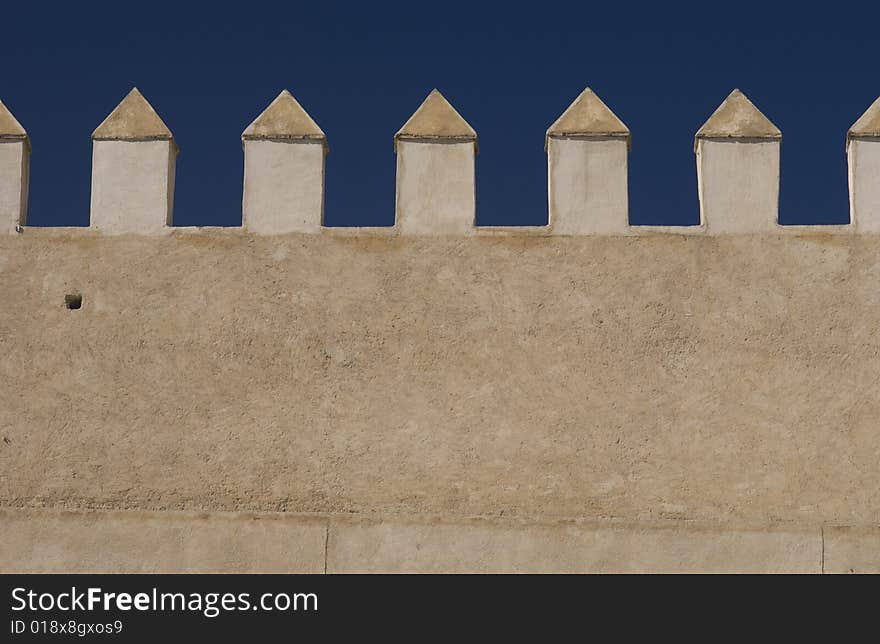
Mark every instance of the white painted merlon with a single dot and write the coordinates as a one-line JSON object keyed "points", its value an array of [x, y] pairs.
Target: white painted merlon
{"points": [[436, 185], [863, 158], [737, 153], [284, 152], [133, 163], [15, 153], [587, 150]]}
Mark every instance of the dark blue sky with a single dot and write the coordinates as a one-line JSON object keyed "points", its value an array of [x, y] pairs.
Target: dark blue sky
{"points": [[360, 70]]}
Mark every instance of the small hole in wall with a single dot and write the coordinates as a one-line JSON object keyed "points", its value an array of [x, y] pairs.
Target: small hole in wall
{"points": [[73, 301]]}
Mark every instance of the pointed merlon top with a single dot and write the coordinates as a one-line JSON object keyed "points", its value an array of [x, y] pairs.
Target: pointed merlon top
{"points": [[10, 128], [134, 119], [587, 117], [284, 120], [738, 118], [868, 125], [435, 120]]}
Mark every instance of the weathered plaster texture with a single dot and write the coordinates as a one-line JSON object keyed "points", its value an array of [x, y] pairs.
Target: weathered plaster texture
{"points": [[134, 119], [867, 126], [588, 116], [283, 186], [284, 119], [738, 185], [14, 168], [132, 186], [588, 186], [436, 184], [726, 379], [143, 542], [436, 120], [436, 187], [137, 541], [738, 118], [484, 547], [737, 152], [863, 156], [851, 550]]}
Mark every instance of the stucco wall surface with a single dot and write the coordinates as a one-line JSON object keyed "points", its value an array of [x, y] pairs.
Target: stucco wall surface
{"points": [[587, 188], [738, 184], [728, 380], [137, 541], [14, 167], [132, 186], [863, 157], [283, 186], [436, 188]]}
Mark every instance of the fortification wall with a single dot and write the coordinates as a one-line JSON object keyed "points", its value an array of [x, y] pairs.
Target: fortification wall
{"points": [[729, 380], [456, 399]]}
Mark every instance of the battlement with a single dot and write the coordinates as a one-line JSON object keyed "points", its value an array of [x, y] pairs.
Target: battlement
{"points": [[737, 161], [437, 396]]}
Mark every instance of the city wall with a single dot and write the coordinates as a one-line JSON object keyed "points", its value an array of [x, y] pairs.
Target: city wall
{"points": [[586, 396]]}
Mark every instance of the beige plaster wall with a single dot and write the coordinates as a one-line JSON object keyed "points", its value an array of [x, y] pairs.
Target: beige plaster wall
{"points": [[132, 186], [738, 185], [587, 186], [436, 189], [14, 165], [283, 186], [863, 156], [725, 380], [137, 541], [36, 541]]}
